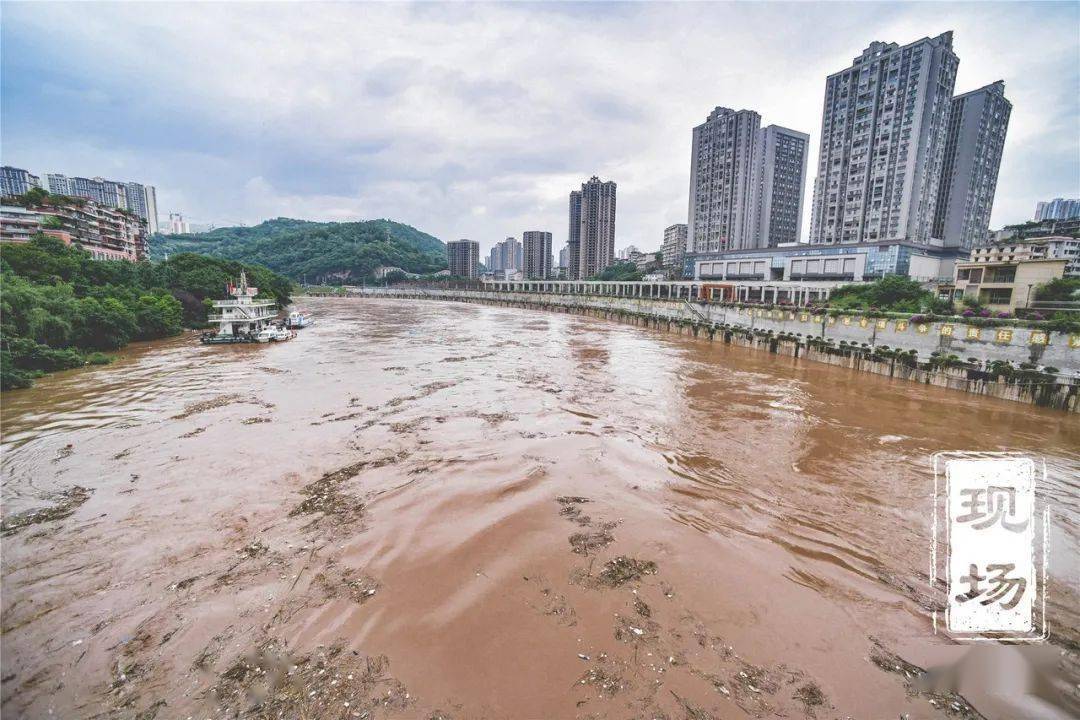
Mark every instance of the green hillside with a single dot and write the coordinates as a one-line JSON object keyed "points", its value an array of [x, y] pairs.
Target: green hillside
{"points": [[319, 252]]}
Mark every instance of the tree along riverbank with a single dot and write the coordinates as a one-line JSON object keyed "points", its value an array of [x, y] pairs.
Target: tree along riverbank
{"points": [[61, 308]]}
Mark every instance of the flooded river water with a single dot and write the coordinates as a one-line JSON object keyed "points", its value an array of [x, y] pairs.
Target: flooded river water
{"points": [[437, 510]]}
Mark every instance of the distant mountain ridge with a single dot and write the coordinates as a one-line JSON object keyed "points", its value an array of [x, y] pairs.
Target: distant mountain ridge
{"points": [[317, 251]]}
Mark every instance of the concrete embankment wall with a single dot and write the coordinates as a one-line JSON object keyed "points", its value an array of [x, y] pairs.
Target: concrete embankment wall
{"points": [[791, 332]]}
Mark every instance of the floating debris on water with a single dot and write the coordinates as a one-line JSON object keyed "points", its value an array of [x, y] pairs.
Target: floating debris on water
{"points": [[67, 502]]}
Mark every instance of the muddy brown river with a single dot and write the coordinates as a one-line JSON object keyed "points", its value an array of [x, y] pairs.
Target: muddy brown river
{"points": [[438, 510]]}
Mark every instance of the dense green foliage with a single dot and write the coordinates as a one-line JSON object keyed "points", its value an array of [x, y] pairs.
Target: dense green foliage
{"points": [[317, 252], [36, 197], [1059, 290], [59, 307], [620, 271], [892, 293]]}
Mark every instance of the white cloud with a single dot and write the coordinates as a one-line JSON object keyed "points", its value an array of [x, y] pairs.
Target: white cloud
{"points": [[477, 120]]}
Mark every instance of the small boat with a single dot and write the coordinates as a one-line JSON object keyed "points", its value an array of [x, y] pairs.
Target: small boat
{"points": [[298, 319], [273, 333]]}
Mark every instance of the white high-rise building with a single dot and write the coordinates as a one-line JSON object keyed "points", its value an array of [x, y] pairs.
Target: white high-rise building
{"points": [[177, 224], [536, 254], [883, 132], [977, 125], [722, 162]]}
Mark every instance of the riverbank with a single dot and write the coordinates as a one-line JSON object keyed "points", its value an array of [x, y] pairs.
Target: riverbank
{"points": [[982, 361], [413, 510]]}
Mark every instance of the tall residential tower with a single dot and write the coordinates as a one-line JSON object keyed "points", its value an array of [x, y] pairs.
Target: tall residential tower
{"points": [[536, 255], [883, 134], [592, 228], [722, 162], [463, 258], [977, 124], [778, 185]]}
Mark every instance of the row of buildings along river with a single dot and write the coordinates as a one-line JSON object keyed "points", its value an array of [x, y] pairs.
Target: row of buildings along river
{"points": [[904, 184]]}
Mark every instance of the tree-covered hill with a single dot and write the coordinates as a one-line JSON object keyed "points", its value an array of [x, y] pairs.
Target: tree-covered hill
{"points": [[59, 307], [319, 252]]}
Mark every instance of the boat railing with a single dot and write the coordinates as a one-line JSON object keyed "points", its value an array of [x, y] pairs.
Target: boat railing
{"points": [[238, 318], [238, 304]]}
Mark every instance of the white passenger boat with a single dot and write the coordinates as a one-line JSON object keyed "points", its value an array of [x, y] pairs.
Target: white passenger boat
{"points": [[241, 318], [298, 319]]}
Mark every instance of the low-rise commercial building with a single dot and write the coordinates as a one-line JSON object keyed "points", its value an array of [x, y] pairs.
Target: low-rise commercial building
{"points": [[856, 262], [1004, 285]]}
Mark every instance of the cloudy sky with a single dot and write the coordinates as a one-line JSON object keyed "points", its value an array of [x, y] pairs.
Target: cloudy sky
{"points": [[477, 120]]}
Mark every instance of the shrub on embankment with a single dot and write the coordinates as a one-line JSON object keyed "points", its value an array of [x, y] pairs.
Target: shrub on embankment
{"points": [[60, 308]]}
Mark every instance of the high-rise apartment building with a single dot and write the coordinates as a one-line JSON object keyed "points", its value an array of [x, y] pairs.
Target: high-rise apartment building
{"points": [[139, 199], [142, 200], [1057, 209], [722, 162], [505, 255], [573, 237], [536, 254], [59, 184], [89, 189], [177, 224], [463, 258], [978, 121], [779, 182], [883, 134], [16, 181], [592, 228], [673, 250]]}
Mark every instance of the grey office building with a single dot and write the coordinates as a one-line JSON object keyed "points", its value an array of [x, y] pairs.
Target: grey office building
{"points": [[779, 182], [592, 228], [977, 125], [883, 133], [722, 163], [536, 254], [463, 258]]}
